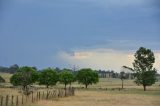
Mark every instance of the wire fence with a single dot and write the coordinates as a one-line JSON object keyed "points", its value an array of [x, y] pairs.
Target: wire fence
{"points": [[21, 100]]}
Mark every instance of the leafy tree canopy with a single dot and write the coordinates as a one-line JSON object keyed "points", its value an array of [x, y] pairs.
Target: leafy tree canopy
{"points": [[143, 69], [66, 77], [87, 76], [48, 77], [24, 76]]}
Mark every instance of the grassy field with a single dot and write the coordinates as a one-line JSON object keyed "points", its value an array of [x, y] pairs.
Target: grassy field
{"points": [[6, 76], [99, 98], [97, 95], [107, 98]]}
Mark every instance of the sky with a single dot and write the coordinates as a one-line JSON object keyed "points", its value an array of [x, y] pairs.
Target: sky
{"points": [[100, 34]]}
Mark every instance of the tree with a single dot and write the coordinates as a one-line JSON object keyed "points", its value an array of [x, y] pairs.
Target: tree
{"points": [[87, 77], [143, 69], [24, 77], [122, 77], [48, 77], [66, 77]]}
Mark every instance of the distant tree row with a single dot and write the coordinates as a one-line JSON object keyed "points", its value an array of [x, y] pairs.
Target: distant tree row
{"points": [[102, 74], [26, 76], [12, 69], [113, 74]]}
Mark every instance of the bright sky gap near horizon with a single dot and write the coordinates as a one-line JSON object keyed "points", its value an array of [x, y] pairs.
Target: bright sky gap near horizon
{"points": [[101, 34]]}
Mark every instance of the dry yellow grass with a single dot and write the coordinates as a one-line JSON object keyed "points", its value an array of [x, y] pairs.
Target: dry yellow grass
{"points": [[8, 91], [94, 96], [6, 76], [105, 98]]}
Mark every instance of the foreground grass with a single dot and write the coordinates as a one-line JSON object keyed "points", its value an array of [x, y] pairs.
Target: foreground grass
{"points": [[106, 98], [98, 98], [96, 95]]}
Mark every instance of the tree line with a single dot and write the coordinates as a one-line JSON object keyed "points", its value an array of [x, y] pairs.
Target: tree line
{"points": [[25, 76]]}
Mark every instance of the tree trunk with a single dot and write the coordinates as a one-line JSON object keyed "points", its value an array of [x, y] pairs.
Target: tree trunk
{"points": [[27, 90], [86, 86], [65, 86], [122, 84], [24, 88], [47, 86], [65, 89], [144, 87]]}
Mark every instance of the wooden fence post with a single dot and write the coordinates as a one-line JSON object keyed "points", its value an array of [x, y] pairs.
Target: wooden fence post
{"points": [[2, 101], [73, 90], [12, 100], [47, 95], [22, 99], [43, 95], [58, 93], [26, 98], [32, 97], [51, 95], [39, 95], [7, 98], [55, 93], [17, 101]]}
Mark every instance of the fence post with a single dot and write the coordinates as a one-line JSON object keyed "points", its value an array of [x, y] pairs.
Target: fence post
{"points": [[58, 93], [32, 97], [51, 95], [26, 97], [73, 90], [55, 93], [2, 101], [43, 95], [7, 100], [47, 95], [22, 99], [39, 95], [12, 100], [17, 101]]}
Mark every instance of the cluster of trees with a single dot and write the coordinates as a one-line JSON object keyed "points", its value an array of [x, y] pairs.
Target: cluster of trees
{"points": [[113, 74], [26, 76]]}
